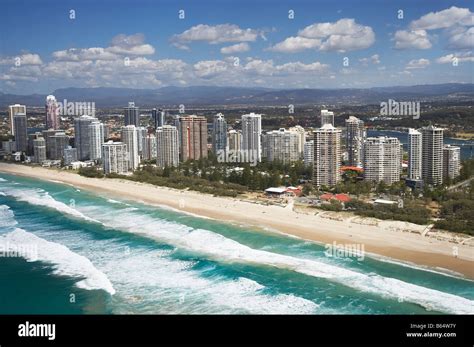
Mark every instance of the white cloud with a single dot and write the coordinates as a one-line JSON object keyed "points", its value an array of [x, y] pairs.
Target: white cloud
{"points": [[237, 48], [418, 63], [461, 38], [209, 68], [374, 59], [443, 19], [341, 36], [461, 58], [417, 39], [220, 33], [22, 59], [295, 44]]}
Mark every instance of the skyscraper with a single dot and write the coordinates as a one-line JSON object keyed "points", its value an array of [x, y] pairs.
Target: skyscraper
{"points": [[56, 145], [82, 140], [70, 155], [193, 137], [432, 155], [167, 146], [39, 149], [115, 158], [219, 133], [132, 115], [309, 153], [149, 147], [451, 161], [382, 159], [96, 140], [234, 138], [47, 134], [20, 127], [142, 132], [12, 111], [130, 138], [327, 156], [355, 137], [415, 154], [52, 113], [281, 145], [158, 117], [327, 117], [252, 136], [299, 130]]}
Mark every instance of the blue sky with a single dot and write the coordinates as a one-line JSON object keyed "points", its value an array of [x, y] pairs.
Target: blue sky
{"points": [[144, 44]]}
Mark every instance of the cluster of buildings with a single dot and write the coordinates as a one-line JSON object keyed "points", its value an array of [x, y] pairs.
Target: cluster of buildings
{"points": [[186, 138]]}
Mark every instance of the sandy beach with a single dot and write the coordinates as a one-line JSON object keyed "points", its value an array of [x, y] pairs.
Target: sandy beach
{"points": [[397, 240]]}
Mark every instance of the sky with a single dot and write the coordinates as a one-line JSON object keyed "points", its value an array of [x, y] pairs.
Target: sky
{"points": [[46, 45]]}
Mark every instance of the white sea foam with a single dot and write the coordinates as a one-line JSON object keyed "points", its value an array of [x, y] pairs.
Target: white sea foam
{"points": [[216, 246], [64, 261], [3, 180], [7, 218], [40, 197]]}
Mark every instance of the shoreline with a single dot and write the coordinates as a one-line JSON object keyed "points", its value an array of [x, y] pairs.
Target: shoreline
{"points": [[381, 240]]}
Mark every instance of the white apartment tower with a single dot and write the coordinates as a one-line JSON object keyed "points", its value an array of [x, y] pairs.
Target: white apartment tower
{"points": [[12, 111], [309, 153], [96, 138], [251, 136], [355, 137], [451, 161], [382, 159], [234, 140], [167, 144], [130, 138], [281, 145], [327, 156], [432, 155], [415, 154], [327, 117], [115, 157]]}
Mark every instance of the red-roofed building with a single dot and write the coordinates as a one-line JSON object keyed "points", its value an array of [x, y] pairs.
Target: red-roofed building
{"points": [[339, 197], [352, 168]]}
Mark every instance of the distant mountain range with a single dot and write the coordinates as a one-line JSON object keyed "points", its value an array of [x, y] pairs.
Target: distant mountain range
{"points": [[206, 95]]}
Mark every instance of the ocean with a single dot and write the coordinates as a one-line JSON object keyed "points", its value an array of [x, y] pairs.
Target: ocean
{"points": [[77, 252]]}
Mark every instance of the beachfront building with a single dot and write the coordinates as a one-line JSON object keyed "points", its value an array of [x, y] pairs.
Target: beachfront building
{"points": [[70, 155], [30, 146], [39, 150], [234, 140], [299, 131], [219, 133], [309, 153], [251, 137], [355, 137], [149, 148], [382, 159], [327, 156], [415, 154], [82, 139], [432, 155], [52, 112], [12, 111], [142, 133], [327, 117], [280, 145], [193, 137], [57, 143], [20, 127], [96, 131], [451, 161], [115, 158], [132, 115], [167, 146], [129, 136]]}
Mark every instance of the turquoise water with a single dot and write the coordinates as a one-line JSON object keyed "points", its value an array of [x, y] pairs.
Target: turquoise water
{"points": [[84, 253]]}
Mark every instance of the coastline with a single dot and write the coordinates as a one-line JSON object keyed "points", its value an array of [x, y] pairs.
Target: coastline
{"points": [[382, 239]]}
